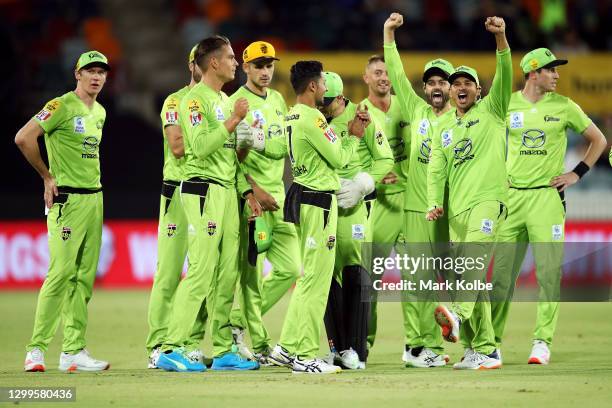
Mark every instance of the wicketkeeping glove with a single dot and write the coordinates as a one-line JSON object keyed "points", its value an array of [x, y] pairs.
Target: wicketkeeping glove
{"points": [[353, 191], [249, 137]]}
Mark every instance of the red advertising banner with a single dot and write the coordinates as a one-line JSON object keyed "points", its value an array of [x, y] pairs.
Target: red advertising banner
{"points": [[129, 254]]}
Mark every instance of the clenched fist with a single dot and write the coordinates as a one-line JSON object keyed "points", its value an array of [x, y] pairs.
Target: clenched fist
{"points": [[495, 25], [241, 107], [394, 21]]}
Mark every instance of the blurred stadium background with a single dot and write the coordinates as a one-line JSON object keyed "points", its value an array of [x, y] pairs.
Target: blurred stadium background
{"points": [[147, 44]]}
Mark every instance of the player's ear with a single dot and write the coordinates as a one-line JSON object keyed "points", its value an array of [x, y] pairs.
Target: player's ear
{"points": [[245, 67], [77, 75]]}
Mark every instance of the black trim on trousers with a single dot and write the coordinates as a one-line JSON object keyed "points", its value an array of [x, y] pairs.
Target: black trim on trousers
{"points": [[168, 187], [198, 186], [298, 195], [74, 190]]}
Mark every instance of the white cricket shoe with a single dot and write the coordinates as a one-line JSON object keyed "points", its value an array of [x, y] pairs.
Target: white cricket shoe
{"points": [[478, 361], [153, 357], [426, 359], [314, 366], [81, 361], [349, 359], [467, 352], [449, 322], [281, 357], [406, 355], [34, 361], [540, 353], [238, 335], [333, 358], [499, 354]]}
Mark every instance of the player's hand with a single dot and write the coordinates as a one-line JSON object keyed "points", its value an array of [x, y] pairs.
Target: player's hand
{"points": [[50, 191], [241, 107], [390, 178], [265, 199], [495, 25], [564, 181], [256, 210], [356, 127], [435, 214], [394, 21]]}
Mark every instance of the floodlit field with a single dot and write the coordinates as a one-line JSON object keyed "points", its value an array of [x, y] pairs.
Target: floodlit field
{"points": [[580, 373]]}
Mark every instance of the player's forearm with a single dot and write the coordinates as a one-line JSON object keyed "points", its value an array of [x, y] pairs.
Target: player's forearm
{"points": [[501, 88], [275, 148], [380, 168], [341, 157], [242, 183], [206, 143], [501, 41], [31, 152], [597, 144], [401, 84], [436, 178], [388, 36]]}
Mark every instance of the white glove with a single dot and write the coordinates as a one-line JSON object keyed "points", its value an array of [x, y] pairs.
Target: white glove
{"points": [[349, 194], [353, 191], [250, 137]]}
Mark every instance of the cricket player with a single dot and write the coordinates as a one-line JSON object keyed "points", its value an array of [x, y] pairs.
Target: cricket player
{"points": [[172, 230], [315, 152], [423, 346], [347, 315], [469, 154], [208, 195], [388, 207], [72, 125], [267, 108], [537, 121]]}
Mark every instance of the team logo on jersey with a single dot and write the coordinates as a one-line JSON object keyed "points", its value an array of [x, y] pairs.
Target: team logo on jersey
{"points": [[472, 123], [379, 138], [331, 242], [79, 125], [462, 151], [90, 147], [447, 138], [171, 230], [321, 123], [424, 151], [331, 135], [533, 139], [43, 115], [358, 231], [212, 228], [195, 118], [171, 117], [557, 232], [259, 117], [516, 120], [548, 118], [486, 226], [66, 233], [219, 113], [423, 126], [274, 131]]}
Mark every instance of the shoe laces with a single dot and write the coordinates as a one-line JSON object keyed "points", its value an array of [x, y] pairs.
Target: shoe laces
{"points": [[36, 354]]}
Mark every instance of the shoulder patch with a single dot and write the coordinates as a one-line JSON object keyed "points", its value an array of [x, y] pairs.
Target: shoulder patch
{"points": [[172, 103], [194, 105], [50, 108], [330, 135], [321, 123]]}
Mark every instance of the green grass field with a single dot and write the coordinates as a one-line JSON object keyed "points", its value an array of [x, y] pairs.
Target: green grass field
{"points": [[580, 372]]}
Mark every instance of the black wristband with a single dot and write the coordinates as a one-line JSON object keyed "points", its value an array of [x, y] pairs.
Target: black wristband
{"points": [[250, 190], [581, 169]]}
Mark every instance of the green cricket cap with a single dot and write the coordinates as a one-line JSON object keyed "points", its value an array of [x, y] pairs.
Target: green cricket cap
{"points": [[334, 85], [464, 71], [438, 66], [540, 58], [92, 58]]}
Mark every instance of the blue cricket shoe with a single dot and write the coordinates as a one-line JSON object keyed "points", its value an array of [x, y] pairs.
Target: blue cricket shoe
{"points": [[176, 361], [233, 361]]}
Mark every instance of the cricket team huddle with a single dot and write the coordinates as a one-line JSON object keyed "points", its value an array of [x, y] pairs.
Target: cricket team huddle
{"points": [[393, 168]]}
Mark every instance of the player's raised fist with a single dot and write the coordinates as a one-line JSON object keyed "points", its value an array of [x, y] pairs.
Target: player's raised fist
{"points": [[394, 21], [241, 107], [495, 25]]}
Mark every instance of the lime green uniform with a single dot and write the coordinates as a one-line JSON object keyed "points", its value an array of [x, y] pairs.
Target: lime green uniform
{"points": [[208, 194], [536, 150], [315, 152], [73, 133], [419, 328], [469, 154], [388, 209], [171, 238], [258, 295]]}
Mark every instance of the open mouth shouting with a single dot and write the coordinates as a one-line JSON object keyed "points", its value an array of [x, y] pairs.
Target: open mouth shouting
{"points": [[437, 97], [462, 97]]}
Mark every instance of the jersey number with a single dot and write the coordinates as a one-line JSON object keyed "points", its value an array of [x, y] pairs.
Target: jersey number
{"points": [[290, 145]]}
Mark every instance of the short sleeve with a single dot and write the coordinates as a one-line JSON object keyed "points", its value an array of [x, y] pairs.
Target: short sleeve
{"points": [[577, 120]]}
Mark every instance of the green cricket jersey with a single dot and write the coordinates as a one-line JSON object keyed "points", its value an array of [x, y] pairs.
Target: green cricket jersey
{"points": [[209, 147], [270, 112], [73, 133], [536, 137], [315, 151], [424, 125], [173, 167], [469, 152], [373, 154], [397, 129]]}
